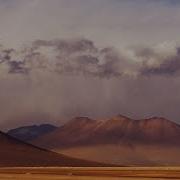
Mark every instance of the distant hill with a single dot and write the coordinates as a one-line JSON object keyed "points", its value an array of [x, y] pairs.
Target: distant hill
{"points": [[28, 133], [15, 153], [120, 140]]}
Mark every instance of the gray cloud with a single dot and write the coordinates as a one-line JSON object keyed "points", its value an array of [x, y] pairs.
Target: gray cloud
{"points": [[69, 57], [83, 57]]}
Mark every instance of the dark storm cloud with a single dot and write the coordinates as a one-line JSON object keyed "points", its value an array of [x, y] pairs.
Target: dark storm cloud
{"points": [[170, 67], [17, 67], [167, 65], [14, 65]]}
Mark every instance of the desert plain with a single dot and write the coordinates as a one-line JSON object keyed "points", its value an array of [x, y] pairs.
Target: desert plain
{"points": [[86, 173]]}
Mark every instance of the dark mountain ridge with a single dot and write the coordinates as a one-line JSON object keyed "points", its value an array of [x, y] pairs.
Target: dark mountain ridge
{"points": [[28, 133]]}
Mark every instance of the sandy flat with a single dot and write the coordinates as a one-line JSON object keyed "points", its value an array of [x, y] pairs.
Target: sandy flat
{"points": [[54, 177], [130, 173]]}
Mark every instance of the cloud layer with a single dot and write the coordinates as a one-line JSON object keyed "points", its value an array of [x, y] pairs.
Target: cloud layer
{"points": [[83, 57], [51, 81]]}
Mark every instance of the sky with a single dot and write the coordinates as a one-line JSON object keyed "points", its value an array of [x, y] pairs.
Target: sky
{"points": [[98, 58]]}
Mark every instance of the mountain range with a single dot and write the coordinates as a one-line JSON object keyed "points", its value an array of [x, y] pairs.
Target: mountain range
{"points": [[118, 140], [83, 131]]}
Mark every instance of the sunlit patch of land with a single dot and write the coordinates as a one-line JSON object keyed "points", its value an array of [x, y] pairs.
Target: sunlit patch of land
{"points": [[74, 173]]}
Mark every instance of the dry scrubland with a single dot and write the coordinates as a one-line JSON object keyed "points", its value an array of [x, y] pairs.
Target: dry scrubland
{"points": [[125, 173]]}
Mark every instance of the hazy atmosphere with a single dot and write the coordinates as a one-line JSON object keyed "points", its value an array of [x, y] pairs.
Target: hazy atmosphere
{"points": [[96, 58]]}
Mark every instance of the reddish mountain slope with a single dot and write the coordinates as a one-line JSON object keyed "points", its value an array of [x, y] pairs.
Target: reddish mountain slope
{"points": [[16, 153]]}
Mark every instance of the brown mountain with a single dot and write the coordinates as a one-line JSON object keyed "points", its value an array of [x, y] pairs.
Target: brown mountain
{"points": [[120, 140], [17, 153], [120, 129]]}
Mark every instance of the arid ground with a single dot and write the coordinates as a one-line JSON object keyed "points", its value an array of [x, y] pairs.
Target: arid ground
{"points": [[124, 173]]}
